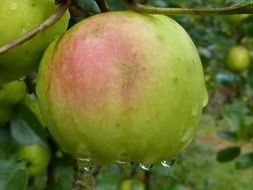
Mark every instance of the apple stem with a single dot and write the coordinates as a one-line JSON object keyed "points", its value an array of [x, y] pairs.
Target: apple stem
{"points": [[245, 7], [103, 5], [84, 179], [59, 12]]}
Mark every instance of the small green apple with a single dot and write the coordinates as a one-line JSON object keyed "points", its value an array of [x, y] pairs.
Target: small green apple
{"points": [[237, 19], [5, 115], [122, 86], [17, 18], [11, 93], [237, 59], [37, 155], [132, 184]]}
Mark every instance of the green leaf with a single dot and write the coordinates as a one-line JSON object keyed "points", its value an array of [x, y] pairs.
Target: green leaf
{"points": [[12, 175], [33, 121], [244, 161], [18, 181], [87, 6], [25, 133], [227, 135], [228, 154], [234, 115]]}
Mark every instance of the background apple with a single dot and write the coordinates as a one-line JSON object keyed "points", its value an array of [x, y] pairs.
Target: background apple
{"points": [[122, 86], [17, 18], [132, 184], [237, 59], [11, 93], [37, 155], [236, 19]]}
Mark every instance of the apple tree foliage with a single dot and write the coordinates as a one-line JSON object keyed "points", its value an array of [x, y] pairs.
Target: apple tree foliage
{"points": [[230, 103]]}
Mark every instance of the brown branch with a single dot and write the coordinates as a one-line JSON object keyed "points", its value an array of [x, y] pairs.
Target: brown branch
{"points": [[59, 12]]}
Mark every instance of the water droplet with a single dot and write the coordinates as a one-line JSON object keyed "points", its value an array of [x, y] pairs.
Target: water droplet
{"points": [[145, 167], [168, 163], [85, 170], [120, 162], [84, 159], [85, 165], [13, 6]]}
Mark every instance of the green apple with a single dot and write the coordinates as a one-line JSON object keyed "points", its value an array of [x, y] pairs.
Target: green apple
{"points": [[237, 59], [5, 115], [132, 184], [122, 86], [37, 155], [11, 93], [17, 18], [238, 18]]}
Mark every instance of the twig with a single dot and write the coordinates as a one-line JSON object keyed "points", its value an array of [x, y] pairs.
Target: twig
{"points": [[245, 7], [59, 12]]}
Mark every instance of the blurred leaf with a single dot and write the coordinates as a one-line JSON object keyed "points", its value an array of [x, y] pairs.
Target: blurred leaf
{"points": [[33, 121], [27, 131], [227, 135], [116, 5], [244, 161], [228, 154], [87, 6], [250, 77], [12, 176], [234, 115], [64, 174], [18, 181]]}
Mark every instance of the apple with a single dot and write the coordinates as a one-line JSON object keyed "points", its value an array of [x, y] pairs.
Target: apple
{"points": [[122, 86], [237, 59], [237, 19], [37, 155], [11, 93], [132, 184], [5, 115], [17, 18]]}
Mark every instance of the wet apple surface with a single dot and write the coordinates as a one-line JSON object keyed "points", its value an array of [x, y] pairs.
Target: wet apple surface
{"points": [[122, 86]]}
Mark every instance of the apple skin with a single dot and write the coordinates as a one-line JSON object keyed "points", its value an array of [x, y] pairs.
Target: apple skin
{"points": [[37, 155], [17, 18], [122, 86], [5, 115], [237, 59], [12, 93]]}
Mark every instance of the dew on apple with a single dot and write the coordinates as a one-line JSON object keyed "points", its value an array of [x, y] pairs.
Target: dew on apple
{"points": [[85, 164], [168, 163], [145, 167], [120, 162]]}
